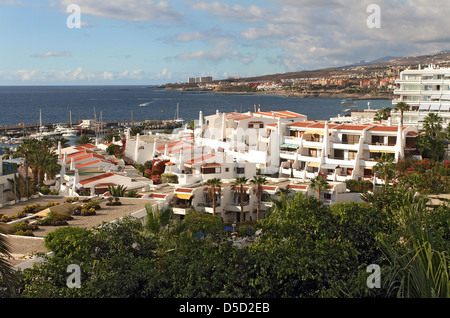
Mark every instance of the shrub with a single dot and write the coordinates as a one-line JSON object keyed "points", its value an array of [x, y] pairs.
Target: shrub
{"points": [[31, 208], [55, 219], [22, 228], [169, 178], [359, 186], [88, 211]]}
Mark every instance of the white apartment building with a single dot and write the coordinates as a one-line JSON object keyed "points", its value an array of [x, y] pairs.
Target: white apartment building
{"points": [[341, 151], [425, 90]]}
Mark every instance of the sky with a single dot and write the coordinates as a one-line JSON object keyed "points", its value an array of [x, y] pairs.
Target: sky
{"points": [[151, 42]]}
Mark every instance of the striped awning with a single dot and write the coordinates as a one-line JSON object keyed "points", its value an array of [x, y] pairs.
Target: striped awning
{"points": [[314, 132], [292, 146], [312, 147], [183, 196], [382, 151]]}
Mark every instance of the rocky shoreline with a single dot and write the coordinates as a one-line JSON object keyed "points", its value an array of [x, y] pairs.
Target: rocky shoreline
{"points": [[322, 94]]}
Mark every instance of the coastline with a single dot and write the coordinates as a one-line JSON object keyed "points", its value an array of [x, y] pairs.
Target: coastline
{"points": [[355, 96]]}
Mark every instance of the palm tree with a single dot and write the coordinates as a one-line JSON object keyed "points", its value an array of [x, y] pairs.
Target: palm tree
{"points": [[84, 139], [240, 182], [259, 182], [318, 183], [385, 167], [43, 161], [432, 124], [64, 142], [214, 185], [7, 273], [382, 114], [25, 149], [117, 192], [401, 107]]}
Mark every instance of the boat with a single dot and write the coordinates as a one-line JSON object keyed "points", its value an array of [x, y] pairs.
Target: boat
{"points": [[349, 103], [178, 119]]}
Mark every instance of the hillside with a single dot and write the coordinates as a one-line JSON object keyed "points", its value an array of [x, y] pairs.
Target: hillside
{"points": [[441, 58]]}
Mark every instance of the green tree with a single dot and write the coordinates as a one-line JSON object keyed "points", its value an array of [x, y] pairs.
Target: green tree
{"points": [[117, 192], [385, 168], [84, 139], [44, 161], [401, 107], [382, 114], [25, 150], [319, 183], [432, 124], [240, 182], [214, 187], [258, 181], [60, 139], [7, 273]]}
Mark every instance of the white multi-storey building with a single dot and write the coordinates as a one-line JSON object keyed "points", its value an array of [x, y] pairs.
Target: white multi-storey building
{"points": [[425, 90], [341, 151]]}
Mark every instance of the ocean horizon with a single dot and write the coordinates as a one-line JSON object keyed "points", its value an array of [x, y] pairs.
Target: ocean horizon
{"points": [[59, 103]]}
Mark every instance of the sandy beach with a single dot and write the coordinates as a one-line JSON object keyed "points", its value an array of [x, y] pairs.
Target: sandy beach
{"points": [[21, 246]]}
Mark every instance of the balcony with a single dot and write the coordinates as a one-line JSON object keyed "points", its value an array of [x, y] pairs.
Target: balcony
{"points": [[180, 211], [292, 140]]}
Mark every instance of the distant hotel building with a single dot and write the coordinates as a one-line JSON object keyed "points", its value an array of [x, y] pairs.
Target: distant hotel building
{"points": [[424, 90], [204, 79]]}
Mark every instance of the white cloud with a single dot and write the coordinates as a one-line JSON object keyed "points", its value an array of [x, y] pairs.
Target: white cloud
{"points": [[128, 10], [52, 54], [78, 75]]}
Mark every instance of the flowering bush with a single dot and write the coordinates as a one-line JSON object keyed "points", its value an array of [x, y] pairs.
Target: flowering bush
{"points": [[426, 176]]}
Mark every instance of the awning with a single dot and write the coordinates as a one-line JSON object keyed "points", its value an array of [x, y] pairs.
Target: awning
{"points": [[435, 107], [293, 146], [329, 166], [314, 132], [424, 107], [445, 108], [313, 147], [382, 151], [313, 164], [445, 97], [183, 196]]}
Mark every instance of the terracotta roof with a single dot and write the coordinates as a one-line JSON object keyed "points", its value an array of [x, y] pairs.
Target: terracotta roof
{"points": [[105, 185], [302, 124], [352, 127], [200, 159], [158, 195], [280, 114], [185, 190], [213, 164], [270, 188], [386, 128], [87, 146], [242, 118], [297, 186], [96, 178]]}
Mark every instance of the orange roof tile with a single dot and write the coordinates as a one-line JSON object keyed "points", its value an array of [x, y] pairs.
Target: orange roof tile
{"points": [[95, 178], [385, 128]]}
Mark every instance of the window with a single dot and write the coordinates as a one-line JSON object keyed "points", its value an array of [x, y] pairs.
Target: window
{"points": [[227, 169], [327, 196], [352, 155], [338, 154], [211, 170], [240, 170], [350, 139]]}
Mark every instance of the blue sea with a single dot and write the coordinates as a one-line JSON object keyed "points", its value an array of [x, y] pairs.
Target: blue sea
{"points": [[21, 104]]}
